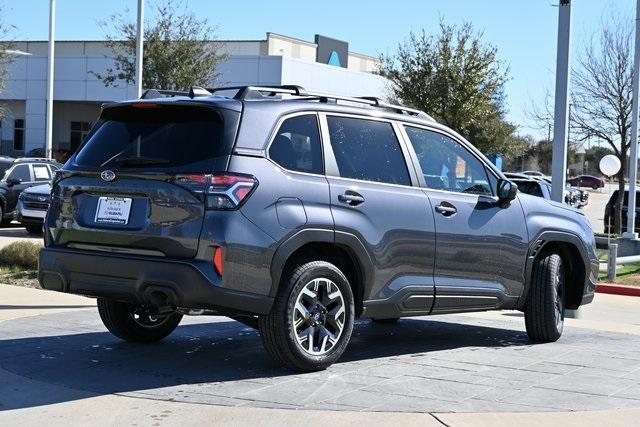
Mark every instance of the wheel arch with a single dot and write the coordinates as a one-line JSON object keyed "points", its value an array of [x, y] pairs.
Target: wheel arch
{"points": [[574, 258], [341, 249]]}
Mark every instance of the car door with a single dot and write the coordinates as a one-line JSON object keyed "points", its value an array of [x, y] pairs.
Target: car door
{"points": [[481, 244], [21, 175], [375, 197]]}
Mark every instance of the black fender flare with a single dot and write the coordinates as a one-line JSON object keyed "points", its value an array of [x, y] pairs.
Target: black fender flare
{"points": [[348, 241], [542, 240]]}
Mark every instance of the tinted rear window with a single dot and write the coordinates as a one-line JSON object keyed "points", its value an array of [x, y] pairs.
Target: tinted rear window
{"points": [[161, 137], [529, 187]]}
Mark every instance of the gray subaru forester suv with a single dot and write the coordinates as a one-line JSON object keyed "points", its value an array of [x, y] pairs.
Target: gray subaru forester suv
{"points": [[297, 212]]}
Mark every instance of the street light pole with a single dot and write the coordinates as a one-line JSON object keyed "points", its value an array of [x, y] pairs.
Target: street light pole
{"points": [[561, 109], [48, 145], [633, 155], [139, 48]]}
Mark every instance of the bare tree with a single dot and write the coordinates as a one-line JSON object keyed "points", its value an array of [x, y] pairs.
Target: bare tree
{"points": [[5, 57], [602, 93]]}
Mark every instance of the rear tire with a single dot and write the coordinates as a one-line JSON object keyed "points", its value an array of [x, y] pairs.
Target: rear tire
{"points": [[33, 229], [121, 321], [312, 317], [544, 312]]}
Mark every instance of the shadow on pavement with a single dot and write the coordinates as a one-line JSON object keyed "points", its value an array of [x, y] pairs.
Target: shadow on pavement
{"points": [[222, 351]]}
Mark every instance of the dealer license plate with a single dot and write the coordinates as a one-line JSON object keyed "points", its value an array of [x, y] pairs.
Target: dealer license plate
{"points": [[113, 210]]}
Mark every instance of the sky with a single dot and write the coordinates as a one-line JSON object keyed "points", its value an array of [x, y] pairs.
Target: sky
{"points": [[524, 31]]}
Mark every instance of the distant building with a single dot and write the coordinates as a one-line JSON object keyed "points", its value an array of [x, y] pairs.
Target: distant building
{"points": [[324, 65]]}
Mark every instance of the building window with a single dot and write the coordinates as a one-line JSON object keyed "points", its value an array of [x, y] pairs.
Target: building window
{"points": [[18, 135], [79, 131]]}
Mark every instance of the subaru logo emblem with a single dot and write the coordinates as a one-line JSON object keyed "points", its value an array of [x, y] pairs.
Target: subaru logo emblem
{"points": [[108, 175], [42, 199]]}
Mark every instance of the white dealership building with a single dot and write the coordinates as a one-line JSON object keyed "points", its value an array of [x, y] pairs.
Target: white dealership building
{"points": [[324, 65]]}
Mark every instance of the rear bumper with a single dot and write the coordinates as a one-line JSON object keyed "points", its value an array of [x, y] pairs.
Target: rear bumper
{"points": [[143, 280]]}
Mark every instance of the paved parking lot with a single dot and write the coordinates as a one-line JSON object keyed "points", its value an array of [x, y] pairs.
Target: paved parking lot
{"points": [[453, 363], [14, 232]]}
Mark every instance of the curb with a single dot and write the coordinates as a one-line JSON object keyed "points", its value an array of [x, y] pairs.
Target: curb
{"points": [[610, 288]]}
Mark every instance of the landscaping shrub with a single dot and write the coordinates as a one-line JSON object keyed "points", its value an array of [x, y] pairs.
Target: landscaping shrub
{"points": [[20, 254]]}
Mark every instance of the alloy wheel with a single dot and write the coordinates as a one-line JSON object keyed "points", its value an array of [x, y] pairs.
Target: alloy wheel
{"points": [[319, 316]]}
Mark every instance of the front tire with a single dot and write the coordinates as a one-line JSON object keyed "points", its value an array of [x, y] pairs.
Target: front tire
{"points": [[312, 318], [544, 312], [129, 324]]}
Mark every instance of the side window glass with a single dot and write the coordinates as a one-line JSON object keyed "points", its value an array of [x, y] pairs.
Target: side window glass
{"points": [[41, 173], [447, 165], [367, 150], [21, 172], [297, 145]]}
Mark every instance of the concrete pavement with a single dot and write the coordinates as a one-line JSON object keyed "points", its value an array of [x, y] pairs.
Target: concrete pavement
{"points": [[58, 365]]}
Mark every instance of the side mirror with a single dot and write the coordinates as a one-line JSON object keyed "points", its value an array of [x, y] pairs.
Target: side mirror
{"points": [[507, 190], [13, 181]]}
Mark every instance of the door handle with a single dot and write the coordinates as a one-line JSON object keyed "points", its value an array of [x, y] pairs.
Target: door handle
{"points": [[351, 198], [446, 209]]}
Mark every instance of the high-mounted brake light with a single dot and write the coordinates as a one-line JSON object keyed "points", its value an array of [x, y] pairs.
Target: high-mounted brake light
{"points": [[145, 105], [229, 190]]}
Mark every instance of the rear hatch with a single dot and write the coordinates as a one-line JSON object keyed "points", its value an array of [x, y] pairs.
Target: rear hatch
{"points": [[138, 183]]}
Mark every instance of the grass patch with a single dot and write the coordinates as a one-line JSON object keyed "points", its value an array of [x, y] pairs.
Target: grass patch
{"points": [[18, 255], [628, 274]]}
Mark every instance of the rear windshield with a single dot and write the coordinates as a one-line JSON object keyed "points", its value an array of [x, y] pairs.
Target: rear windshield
{"points": [[529, 187], [155, 137]]}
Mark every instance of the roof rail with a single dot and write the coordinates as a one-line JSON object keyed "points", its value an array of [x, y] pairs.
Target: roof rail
{"points": [[33, 159], [259, 92]]}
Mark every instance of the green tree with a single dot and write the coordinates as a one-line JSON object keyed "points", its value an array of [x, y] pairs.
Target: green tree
{"points": [[180, 49], [459, 80]]}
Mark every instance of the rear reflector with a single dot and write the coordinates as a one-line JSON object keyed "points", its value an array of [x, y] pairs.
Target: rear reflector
{"points": [[217, 260]]}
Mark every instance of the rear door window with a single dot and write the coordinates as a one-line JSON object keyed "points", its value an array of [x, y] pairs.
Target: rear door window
{"points": [[155, 136], [368, 150]]}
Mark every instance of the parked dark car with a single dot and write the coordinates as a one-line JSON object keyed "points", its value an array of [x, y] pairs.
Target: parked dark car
{"points": [[297, 212], [20, 174], [32, 207], [586, 181], [610, 212]]}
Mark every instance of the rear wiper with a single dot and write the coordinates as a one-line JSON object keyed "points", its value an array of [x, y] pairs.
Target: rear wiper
{"points": [[140, 161]]}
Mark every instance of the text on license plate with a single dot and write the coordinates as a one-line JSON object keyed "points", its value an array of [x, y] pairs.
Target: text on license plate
{"points": [[113, 210]]}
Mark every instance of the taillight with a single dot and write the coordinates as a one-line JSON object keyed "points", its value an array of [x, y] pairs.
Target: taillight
{"points": [[229, 190]]}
